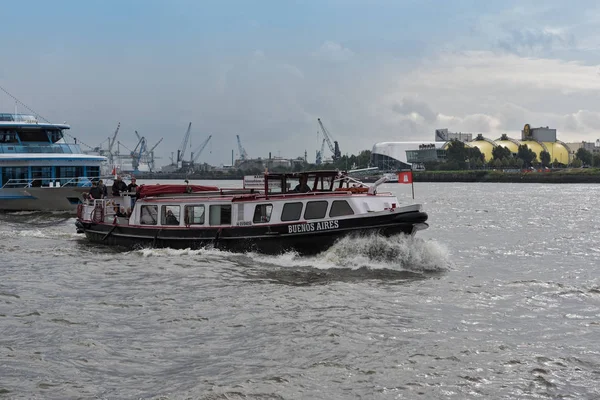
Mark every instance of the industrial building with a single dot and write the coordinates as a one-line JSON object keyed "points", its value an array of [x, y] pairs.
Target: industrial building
{"points": [[404, 155], [536, 139], [392, 156]]}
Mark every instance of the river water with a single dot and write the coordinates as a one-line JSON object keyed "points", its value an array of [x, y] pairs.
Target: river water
{"points": [[498, 299]]}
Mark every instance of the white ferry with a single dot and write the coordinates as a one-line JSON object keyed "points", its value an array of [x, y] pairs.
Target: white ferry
{"points": [[39, 170], [272, 220]]}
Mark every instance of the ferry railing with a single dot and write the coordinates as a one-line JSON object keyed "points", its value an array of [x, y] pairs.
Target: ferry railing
{"points": [[80, 181]]}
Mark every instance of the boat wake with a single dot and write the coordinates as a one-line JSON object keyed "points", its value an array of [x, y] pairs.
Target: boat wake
{"points": [[35, 218], [371, 252], [354, 258]]}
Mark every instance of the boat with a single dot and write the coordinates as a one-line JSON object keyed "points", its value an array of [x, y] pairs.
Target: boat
{"points": [[39, 169], [266, 216]]}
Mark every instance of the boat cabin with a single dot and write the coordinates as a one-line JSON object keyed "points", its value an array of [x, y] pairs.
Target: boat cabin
{"points": [[332, 195], [305, 182], [34, 153]]}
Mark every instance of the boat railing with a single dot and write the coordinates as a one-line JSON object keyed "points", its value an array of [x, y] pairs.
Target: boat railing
{"points": [[107, 209], [80, 181], [350, 180]]}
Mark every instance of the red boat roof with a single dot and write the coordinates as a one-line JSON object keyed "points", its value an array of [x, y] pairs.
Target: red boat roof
{"points": [[157, 190]]}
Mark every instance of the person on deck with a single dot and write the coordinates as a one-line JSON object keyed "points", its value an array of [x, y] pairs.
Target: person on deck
{"points": [[302, 187], [120, 212], [132, 187], [95, 191], [103, 188], [118, 186]]}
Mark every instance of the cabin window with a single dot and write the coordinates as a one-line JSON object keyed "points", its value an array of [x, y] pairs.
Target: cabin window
{"points": [[149, 215], [340, 208], [170, 215], [262, 213], [315, 210], [64, 173], [41, 175], [194, 215], [240, 212], [33, 135], [14, 176], [93, 172], [291, 211], [220, 214]]}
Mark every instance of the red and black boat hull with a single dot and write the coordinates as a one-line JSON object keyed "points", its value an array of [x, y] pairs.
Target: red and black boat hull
{"points": [[305, 238]]}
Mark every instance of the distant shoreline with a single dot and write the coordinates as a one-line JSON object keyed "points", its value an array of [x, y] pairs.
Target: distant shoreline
{"points": [[588, 175], [555, 176]]}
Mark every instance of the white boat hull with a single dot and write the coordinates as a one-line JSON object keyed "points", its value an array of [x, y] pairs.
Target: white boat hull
{"points": [[41, 198]]}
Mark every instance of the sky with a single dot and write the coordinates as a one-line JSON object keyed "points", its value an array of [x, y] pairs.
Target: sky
{"points": [[372, 70]]}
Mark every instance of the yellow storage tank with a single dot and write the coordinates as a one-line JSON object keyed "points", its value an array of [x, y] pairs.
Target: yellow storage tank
{"points": [[535, 147], [485, 146], [510, 144], [558, 151]]}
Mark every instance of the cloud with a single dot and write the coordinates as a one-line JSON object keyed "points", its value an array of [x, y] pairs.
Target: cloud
{"points": [[474, 123], [532, 41], [409, 106], [486, 69], [518, 64], [332, 51]]}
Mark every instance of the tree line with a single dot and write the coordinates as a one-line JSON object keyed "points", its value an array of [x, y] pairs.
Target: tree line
{"points": [[460, 157]]}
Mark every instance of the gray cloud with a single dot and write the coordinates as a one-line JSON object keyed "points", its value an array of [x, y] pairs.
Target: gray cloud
{"points": [[536, 41], [409, 105]]}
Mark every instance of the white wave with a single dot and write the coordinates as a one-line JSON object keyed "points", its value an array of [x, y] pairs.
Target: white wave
{"points": [[22, 212], [399, 252], [169, 252], [396, 252], [35, 233]]}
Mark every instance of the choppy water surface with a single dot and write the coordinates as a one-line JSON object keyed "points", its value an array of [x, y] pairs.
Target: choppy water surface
{"points": [[500, 298]]}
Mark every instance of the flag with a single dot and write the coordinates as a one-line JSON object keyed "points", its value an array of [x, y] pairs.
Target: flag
{"points": [[405, 177], [114, 171]]}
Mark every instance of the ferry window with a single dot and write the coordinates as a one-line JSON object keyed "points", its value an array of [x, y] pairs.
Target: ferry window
{"points": [[14, 176], [33, 135], [149, 215], [339, 208], [69, 172], [220, 214], [291, 211], [42, 174], [262, 213], [170, 215], [315, 209], [194, 215], [93, 172]]}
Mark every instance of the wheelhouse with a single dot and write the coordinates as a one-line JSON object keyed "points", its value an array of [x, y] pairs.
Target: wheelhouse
{"points": [[37, 154]]}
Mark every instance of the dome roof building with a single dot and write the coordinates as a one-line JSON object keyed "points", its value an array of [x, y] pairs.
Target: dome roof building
{"points": [[510, 143], [485, 146]]}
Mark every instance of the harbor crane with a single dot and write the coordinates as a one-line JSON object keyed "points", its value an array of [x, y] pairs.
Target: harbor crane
{"points": [[196, 153], [181, 150], [243, 154], [334, 147], [111, 145], [150, 153], [137, 153], [320, 153], [147, 155]]}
